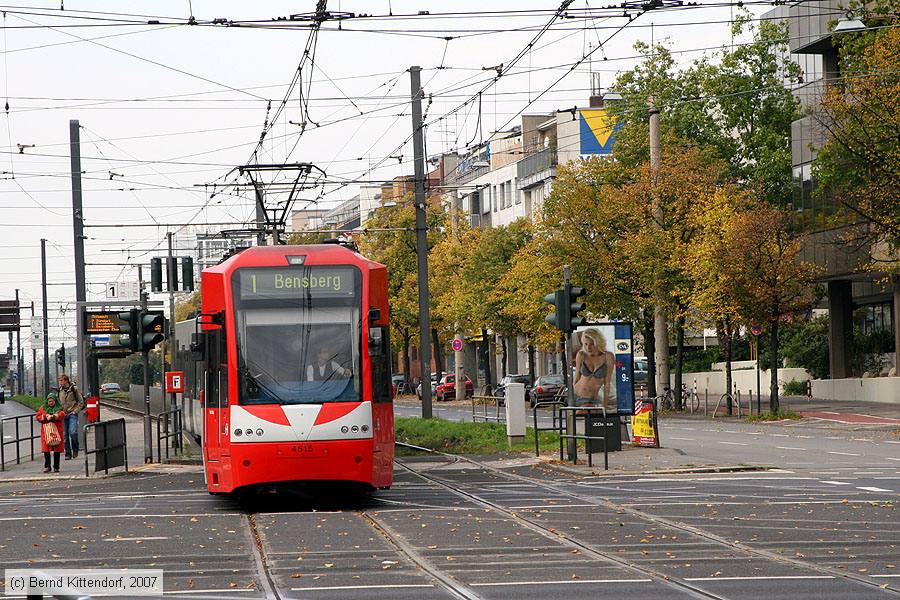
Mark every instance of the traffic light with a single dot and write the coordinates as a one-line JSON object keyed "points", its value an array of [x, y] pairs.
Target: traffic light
{"points": [[152, 326], [129, 337], [559, 318], [61, 356], [575, 292], [187, 274], [172, 273], [156, 274]]}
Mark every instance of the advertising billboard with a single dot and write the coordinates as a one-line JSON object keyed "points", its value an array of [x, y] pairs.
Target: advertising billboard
{"points": [[603, 365]]}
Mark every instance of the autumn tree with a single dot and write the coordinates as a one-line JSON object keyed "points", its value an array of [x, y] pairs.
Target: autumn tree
{"points": [[859, 165], [760, 264]]}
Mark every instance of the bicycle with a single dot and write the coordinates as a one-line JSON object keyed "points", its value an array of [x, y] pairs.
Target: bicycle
{"points": [[667, 398]]}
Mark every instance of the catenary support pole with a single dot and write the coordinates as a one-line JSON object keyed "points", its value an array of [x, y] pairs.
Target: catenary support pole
{"points": [[46, 389], [34, 389], [78, 234], [572, 443], [20, 377], [169, 342], [421, 240], [145, 359], [660, 323]]}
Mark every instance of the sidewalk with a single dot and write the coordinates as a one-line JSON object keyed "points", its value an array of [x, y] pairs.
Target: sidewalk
{"points": [[33, 470]]}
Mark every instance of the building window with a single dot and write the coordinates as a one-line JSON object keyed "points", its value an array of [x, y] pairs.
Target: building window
{"points": [[494, 198]]}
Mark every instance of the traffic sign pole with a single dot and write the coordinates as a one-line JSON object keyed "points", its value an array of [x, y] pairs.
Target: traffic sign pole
{"points": [[756, 330]]}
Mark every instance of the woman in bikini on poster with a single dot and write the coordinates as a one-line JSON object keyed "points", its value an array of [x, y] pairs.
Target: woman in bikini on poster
{"points": [[595, 368]]}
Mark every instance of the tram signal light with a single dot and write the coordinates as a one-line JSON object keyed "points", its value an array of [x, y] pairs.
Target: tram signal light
{"points": [[61, 356], [573, 293], [559, 318], [129, 337], [172, 273], [152, 329], [156, 274], [187, 274]]}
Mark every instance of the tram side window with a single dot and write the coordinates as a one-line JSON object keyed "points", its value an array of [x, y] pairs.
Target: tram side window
{"points": [[379, 357], [217, 369]]}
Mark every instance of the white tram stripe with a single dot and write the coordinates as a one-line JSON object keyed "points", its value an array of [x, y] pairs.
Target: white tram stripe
{"points": [[563, 581], [759, 577], [387, 586]]}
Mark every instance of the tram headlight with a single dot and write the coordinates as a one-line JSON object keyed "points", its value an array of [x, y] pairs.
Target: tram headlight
{"points": [[238, 432], [249, 431], [364, 428], [354, 429], [259, 432], [345, 429]]}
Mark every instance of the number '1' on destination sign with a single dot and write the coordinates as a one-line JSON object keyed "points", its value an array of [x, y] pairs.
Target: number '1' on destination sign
{"points": [[296, 282]]}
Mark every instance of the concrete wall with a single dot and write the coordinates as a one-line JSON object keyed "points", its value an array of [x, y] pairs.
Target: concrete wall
{"points": [[745, 379], [136, 401], [876, 389]]}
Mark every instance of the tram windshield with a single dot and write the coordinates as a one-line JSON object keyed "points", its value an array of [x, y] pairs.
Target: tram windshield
{"points": [[298, 343]]}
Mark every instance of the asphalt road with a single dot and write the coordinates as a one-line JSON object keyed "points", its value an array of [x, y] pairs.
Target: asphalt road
{"points": [[454, 529]]}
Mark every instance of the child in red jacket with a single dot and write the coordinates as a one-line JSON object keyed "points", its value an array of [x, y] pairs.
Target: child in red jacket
{"points": [[51, 412]]}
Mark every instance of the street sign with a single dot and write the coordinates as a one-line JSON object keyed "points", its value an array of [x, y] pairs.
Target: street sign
{"points": [[756, 329], [457, 345], [100, 340], [37, 330], [174, 382], [9, 315], [112, 289]]}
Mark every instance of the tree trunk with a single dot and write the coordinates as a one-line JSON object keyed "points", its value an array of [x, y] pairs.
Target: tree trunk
{"points": [[436, 352], [503, 355], [531, 364], [488, 383], [679, 362], [725, 333], [406, 366], [773, 366], [650, 351]]}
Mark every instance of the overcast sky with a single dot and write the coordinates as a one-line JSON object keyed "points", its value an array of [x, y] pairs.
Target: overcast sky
{"points": [[166, 108]]}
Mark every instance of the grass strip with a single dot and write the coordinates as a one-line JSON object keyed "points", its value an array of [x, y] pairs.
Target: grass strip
{"points": [[466, 438], [32, 402]]}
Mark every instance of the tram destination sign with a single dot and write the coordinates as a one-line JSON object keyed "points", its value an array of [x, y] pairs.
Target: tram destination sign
{"points": [[296, 282], [102, 322]]}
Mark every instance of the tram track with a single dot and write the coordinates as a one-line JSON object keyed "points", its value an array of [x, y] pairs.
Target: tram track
{"points": [[442, 578], [665, 578], [266, 581]]}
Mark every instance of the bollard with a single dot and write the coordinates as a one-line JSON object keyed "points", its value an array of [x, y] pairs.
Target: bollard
{"points": [[515, 413], [706, 402]]}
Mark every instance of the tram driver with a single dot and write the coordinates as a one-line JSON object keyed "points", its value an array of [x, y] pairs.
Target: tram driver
{"points": [[327, 365]]}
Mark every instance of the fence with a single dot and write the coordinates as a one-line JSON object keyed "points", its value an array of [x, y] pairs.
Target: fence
{"points": [[173, 433], [17, 438], [498, 416]]}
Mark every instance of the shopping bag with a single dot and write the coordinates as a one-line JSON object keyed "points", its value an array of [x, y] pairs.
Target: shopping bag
{"points": [[51, 434]]}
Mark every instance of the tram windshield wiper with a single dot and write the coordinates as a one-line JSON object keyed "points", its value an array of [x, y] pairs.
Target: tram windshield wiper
{"points": [[253, 385]]}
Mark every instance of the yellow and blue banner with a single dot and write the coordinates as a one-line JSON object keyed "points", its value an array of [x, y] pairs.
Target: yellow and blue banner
{"points": [[598, 129]]}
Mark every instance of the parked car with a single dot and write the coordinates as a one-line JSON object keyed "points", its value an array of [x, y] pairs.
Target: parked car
{"points": [[501, 387], [546, 388], [110, 388], [446, 389], [640, 370], [434, 380]]}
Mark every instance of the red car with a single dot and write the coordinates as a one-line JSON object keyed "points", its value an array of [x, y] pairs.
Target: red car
{"points": [[446, 389]]}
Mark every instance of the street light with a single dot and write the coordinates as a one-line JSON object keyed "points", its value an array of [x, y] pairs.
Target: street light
{"points": [[848, 24]]}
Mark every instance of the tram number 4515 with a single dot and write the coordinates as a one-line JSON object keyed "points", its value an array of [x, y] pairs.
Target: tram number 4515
{"points": [[304, 451]]}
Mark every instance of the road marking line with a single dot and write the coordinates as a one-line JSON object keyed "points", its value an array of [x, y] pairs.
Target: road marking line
{"points": [[499, 584], [759, 577], [682, 439], [886, 575], [779, 435], [835, 482], [789, 448], [363, 587], [219, 591], [733, 443], [891, 458], [873, 489], [891, 442], [843, 453], [134, 539]]}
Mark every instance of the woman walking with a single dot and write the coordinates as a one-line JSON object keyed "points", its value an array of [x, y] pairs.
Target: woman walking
{"points": [[50, 415]]}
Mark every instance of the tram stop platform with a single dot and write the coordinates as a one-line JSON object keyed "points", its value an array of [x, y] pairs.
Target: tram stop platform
{"points": [[28, 465]]}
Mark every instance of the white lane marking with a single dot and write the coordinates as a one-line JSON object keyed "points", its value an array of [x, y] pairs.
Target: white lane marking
{"points": [[779, 435], [834, 437], [892, 441], [733, 443], [789, 448], [682, 439], [892, 458], [842, 453], [135, 539], [385, 586], [210, 591], [758, 577], [804, 437], [499, 583], [835, 482], [886, 575], [873, 489]]}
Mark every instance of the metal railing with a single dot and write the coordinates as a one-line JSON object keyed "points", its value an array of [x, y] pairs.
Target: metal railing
{"points": [[537, 429], [18, 439], [536, 163], [164, 432], [585, 412], [498, 416]]}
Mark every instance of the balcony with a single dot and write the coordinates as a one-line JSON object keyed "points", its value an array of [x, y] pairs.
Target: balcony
{"points": [[537, 168]]}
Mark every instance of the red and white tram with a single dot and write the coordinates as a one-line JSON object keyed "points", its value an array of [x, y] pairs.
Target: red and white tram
{"points": [[295, 368]]}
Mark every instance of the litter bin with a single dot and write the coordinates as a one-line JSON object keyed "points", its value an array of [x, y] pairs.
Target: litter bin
{"points": [[92, 405], [597, 425]]}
